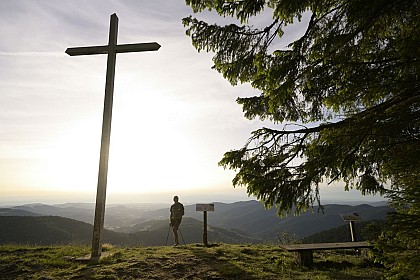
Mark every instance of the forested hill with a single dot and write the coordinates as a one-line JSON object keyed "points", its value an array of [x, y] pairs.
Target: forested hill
{"points": [[251, 217], [51, 230], [364, 231], [248, 219]]}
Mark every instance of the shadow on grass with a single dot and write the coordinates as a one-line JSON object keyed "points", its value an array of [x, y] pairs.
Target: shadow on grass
{"points": [[343, 270], [224, 267], [328, 265]]}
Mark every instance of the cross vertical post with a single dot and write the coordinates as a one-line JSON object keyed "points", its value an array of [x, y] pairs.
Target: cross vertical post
{"points": [[98, 224], [111, 50]]}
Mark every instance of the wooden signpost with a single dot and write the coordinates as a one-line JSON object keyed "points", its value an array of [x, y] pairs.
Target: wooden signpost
{"points": [[351, 217], [111, 50], [204, 208]]}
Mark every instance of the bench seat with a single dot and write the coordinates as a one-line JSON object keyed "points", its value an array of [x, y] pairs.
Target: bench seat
{"points": [[305, 251]]}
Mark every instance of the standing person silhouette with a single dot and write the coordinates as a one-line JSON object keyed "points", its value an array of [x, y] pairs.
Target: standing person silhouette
{"points": [[177, 211]]}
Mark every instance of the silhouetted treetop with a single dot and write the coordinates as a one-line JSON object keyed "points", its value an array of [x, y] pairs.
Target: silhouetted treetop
{"points": [[348, 83]]}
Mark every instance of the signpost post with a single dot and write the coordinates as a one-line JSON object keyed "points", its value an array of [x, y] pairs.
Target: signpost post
{"points": [[204, 208]]}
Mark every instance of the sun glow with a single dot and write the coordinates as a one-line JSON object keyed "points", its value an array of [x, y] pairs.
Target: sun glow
{"points": [[163, 136], [152, 148], [72, 158]]}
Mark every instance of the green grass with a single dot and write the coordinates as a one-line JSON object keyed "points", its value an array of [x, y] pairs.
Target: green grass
{"points": [[219, 261]]}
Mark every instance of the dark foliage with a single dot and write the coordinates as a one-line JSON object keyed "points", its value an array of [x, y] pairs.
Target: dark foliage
{"points": [[365, 231], [349, 83], [343, 98]]}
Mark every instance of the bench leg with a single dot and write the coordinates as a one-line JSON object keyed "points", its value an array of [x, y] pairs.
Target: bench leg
{"points": [[305, 257]]}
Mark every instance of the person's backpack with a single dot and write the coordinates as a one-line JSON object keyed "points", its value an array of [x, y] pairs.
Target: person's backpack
{"points": [[178, 210]]}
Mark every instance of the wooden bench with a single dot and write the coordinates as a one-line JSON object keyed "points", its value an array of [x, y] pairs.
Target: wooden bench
{"points": [[304, 251]]}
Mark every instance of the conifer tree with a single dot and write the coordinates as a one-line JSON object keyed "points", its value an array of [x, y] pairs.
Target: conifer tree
{"points": [[349, 85], [343, 98]]}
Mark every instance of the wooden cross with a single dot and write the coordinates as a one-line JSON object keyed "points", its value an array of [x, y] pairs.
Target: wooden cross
{"points": [[111, 49]]}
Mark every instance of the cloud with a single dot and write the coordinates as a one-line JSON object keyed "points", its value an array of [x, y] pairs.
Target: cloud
{"points": [[31, 54]]}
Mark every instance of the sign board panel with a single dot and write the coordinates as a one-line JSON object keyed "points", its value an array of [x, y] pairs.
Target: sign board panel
{"points": [[204, 207], [350, 217]]}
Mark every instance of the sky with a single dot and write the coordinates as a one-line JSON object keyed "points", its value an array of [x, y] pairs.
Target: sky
{"points": [[173, 116]]}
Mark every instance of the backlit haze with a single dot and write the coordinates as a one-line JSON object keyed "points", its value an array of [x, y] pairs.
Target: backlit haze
{"points": [[173, 117]]}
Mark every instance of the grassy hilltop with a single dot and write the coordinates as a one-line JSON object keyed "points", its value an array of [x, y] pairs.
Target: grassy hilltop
{"points": [[193, 261]]}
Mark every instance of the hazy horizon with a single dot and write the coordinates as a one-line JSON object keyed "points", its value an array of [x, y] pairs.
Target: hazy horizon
{"points": [[234, 195]]}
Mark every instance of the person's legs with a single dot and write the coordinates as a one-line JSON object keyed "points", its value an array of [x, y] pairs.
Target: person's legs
{"points": [[175, 230]]}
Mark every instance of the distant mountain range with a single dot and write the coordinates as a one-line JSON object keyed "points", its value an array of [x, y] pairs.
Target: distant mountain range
{"points": [[239, 222], [52, 230], [49, 230], [251, 217]]}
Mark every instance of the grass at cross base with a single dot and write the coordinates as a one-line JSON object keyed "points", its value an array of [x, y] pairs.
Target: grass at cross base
{"points": [[193, 261]]}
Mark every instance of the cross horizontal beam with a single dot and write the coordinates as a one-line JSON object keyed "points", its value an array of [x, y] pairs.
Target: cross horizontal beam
{"points": [[142, 47]]}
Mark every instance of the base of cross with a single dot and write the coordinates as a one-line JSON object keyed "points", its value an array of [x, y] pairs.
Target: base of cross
{"points": [[89, 259]]}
